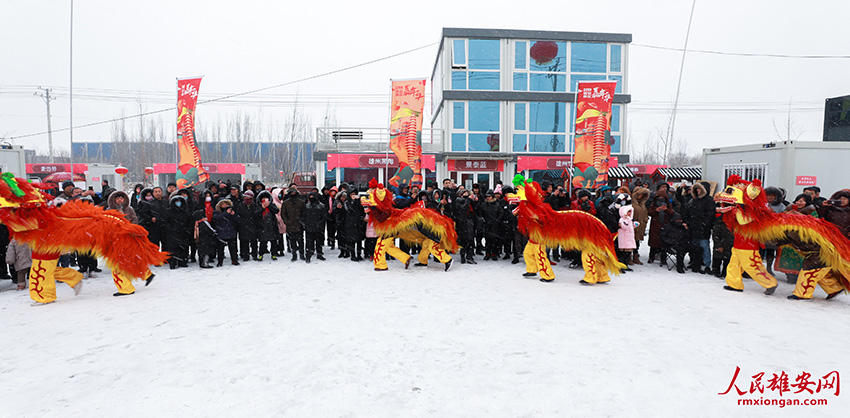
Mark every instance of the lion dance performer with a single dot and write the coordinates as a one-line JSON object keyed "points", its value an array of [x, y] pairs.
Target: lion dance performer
{"points": [[415, 225], [76, 226], [571, 229], [826, 250]]}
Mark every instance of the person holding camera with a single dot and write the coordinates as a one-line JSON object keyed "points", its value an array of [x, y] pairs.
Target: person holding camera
{"points": [[836, 210]]}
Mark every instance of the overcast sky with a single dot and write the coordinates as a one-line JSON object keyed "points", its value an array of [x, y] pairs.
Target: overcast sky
{"points": [[124, 49]]}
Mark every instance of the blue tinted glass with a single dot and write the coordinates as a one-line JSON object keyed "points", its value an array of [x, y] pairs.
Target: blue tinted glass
{"points": [[459, 116], [519, 143], [619, 80], [547, 117], [589, 58], [615, 147], [615, 118], [483, 80], [519, 116], [459, 52], [520, 81], [483, 142], [572, 143], [519, 55], [547, 82], [484, 54], [546, 143], [575, 78], [458, 80], [548, 56], [616, 57], [484, 116], [458, 142]]}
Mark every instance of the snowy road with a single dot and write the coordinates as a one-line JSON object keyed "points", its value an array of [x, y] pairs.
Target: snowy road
{"points": [[336, 339]]}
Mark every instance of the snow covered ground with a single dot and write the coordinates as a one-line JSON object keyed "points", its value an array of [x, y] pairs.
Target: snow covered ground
{"points": [[337, 339]]}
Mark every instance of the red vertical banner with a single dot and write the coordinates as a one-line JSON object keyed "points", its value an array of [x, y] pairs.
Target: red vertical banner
{"points": [[190, 171], [593, 133], [408, 101]]}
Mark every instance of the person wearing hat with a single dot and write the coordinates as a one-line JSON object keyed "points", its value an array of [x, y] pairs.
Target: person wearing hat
{"points": [[246, 226], [67, 190], [292, 213]]}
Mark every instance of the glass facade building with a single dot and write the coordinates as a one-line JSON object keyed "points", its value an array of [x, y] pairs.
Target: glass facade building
{"points": [[503, 100]]}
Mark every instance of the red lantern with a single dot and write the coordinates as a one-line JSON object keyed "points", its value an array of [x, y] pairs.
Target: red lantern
{"points": [[543, 52], [148, 170], [121, 170]]}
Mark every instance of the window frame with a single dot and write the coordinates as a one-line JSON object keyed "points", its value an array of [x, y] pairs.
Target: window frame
{"points": [[466, 131], [464, 68]]}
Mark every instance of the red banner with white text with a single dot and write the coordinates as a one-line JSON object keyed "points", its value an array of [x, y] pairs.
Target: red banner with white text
{"points": [[190, 171], [593, 133]]}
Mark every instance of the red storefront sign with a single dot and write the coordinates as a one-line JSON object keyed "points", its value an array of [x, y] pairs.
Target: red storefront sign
{"points": [[644, 169], [366, 161], [475, 165], [429, 162], [531, 162], [55, 168], [807, 180]]}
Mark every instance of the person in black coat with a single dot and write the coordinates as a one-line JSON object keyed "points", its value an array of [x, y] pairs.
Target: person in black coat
{"points": [[493, 213], [178, 231], [675, 237], [225, 222], [207, 238], [355, 226], [150, 216], [338, 215], [464, 211], [698, 215], [247, 226], [265, 211], [292, 213], [315, 214]]}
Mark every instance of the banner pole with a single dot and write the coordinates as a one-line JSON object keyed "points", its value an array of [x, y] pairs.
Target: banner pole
{"points": [[389, 135]]}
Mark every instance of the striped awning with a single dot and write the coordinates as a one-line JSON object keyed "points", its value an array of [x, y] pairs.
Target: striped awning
{"points": [[680, 173], [620, 173]]}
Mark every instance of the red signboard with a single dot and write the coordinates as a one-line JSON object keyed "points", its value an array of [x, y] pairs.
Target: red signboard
{"points": [[429, 162], [532, 162], [807, 180], [641, 169], [55, 168], [476, 165], [367, 161]]}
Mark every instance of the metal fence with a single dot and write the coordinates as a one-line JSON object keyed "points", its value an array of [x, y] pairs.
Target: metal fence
{"points": [[371, 140]]}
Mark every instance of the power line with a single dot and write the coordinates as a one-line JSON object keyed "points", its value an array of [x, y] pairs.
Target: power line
{"points": [[222, 98], [744, 54]]}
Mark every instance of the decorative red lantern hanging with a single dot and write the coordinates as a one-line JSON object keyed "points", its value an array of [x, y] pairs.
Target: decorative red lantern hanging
{"points": [[148, 171], [121, 170], [543, 52]]}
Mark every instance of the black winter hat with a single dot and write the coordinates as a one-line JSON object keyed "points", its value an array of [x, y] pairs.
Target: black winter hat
{"points": [[67, 183], [582, 193]]}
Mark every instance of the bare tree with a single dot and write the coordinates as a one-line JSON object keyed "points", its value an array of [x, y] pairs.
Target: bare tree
{"points": [[790, 132]]}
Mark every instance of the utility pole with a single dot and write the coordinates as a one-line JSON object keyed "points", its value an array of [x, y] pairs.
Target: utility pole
{"points": [[47, 98], [672, 127]]}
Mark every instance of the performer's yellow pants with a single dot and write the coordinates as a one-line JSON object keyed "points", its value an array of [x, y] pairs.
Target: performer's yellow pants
{"points": [[807, 279], [594, 270], [124, 282], [749, 261], [431, 247], [384, 246], [537, 262], [43, 276]]}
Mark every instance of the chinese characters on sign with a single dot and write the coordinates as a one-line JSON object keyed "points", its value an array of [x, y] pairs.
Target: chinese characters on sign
{"points": [[366, 161], [474, 165], [782, 384], [593, 138], [807, 180]]}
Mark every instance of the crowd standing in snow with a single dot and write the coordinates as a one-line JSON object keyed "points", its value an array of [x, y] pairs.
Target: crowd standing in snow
{"points": [[253, 222]]}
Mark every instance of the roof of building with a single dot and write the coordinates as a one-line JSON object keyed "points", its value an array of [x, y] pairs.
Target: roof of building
{"points": [[679, 173]]}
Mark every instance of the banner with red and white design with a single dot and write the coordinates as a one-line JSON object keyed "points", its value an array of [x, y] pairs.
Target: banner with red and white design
{"points": [[593, 133], [190, 171]]}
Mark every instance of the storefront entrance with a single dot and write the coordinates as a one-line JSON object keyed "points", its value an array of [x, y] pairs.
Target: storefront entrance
{"points": [[485, 180]]}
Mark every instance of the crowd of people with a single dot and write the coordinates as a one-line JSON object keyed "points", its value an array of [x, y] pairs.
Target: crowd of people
{"points": [[254, 222]]}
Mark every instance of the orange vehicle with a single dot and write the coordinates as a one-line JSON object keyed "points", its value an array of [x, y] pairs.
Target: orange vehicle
{"points": [[304, 181]]}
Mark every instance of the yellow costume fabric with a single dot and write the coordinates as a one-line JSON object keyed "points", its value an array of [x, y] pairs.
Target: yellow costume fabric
{"points": [[384, 246], [124, 283], [594, 269], [749, 261], [807, 280], [431, 247], [537, 262], [43, 276]]}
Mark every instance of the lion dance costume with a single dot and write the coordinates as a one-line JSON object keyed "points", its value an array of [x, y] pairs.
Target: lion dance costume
{"points": [[571, 229], [76, 226], [415, 225], [826, 251]]}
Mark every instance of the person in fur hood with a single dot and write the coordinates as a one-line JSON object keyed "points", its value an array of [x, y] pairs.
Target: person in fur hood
{"points": [[698, 217]]}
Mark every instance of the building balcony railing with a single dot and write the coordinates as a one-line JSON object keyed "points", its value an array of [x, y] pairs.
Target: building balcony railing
{"points": [[369, 140]]}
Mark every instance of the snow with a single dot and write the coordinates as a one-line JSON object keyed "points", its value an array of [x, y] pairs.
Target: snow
{"points": [[337, 339]]}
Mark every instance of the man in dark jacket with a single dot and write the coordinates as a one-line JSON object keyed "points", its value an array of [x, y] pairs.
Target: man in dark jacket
{"points": [[178, 231], [247, 227], [292, 213], [464, 211], [493, 213], [698, 217], [264, 212], [150, 216], [225, 223], [315, 214]]}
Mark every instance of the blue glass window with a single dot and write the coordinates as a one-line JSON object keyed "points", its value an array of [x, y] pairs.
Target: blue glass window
{"points": [[616, 57], [520, 81], [484, 54], [458, 80], [520, 142], [458, 142], [484, 116], [575, 78], [459, 116], [546, 143], [483, 80], [619, 80], [589, 57], [548, 56], [547, 82], [519, 55], [459, 52], [615, 118], [519, 116], [546, 117], [615, 147], [483, 142]]}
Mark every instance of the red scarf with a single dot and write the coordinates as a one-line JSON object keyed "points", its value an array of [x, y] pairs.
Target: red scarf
{"points": [[208, 210]]}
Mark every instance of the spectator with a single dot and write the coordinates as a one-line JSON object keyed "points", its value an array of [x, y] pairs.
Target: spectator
{"points": [[119, 201], [640, 196], [803, 205], [315, 216], [178, 231], [19, 256], [660, 212], [698, 218], [224, 222], [836, 210], [814, 192], [292, 213]]}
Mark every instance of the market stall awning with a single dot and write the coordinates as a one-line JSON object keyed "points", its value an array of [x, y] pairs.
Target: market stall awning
{"points": [[620, 173], [679, 173]]}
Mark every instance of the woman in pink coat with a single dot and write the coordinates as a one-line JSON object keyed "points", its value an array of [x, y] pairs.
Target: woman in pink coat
{"points": [[281, 227]]}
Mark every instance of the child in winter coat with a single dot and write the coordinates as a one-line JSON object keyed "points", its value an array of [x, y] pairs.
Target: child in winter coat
{"points": [[626, 233], [723, 240], [20, 256]]}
